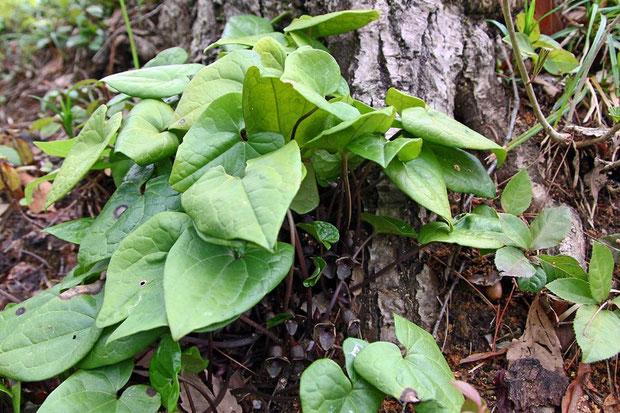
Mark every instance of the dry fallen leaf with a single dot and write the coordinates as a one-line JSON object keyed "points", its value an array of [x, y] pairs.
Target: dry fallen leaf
{"points": [[228, 404], [535, 375], [38, 195]]}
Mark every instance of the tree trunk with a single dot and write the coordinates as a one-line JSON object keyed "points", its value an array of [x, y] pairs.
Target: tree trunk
{"points": [[439, 51]]}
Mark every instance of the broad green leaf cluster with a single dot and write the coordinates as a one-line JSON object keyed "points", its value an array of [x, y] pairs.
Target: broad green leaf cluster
{"points": [[375, 370], [597, 326], [513, 240]]}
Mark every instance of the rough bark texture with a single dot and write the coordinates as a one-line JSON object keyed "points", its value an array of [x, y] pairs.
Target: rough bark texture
{"points": [[437, 50]]}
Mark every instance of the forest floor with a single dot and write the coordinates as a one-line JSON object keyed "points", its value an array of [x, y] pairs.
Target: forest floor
{"points": [[474, 339]]}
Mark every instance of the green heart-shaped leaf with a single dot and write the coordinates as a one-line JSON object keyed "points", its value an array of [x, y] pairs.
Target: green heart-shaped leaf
{"points": [[314, 74], [325, 389], [422, 375], [422, 180], [143, 137], [246, 41], [136, 271], [272, 54], [319, 120], [376, 148], [244, 25], [95, 391], [251, 208], [153, 82], [332, 23], [597, 333], [307, 198], [324, 232], [223, 76], [125, 211], [463, 172], [216, 138], [205, 284], [436, 127], [46, 334], [270, 105], [86, 149]]}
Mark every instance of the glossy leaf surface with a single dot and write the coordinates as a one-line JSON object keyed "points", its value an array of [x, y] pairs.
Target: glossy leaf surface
{"points": [[324, 232], [46, 334], [223, 76], [143, 137], [88, 146], [378, 149], [333, 23], [314, 74], [153, 82], [324, 388], [422, 180], [436, 127], [105, 353], [164, 369], [388, 225], [251, 208], [270, 105], [471, 230], [422, 374], [216, 139], [214, 284], [125, 211], [96, 391], [463, 172], [71, 231], [136, 271]]}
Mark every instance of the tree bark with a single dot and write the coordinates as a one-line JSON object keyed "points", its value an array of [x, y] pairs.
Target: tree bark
{"points": [[440, 51]]}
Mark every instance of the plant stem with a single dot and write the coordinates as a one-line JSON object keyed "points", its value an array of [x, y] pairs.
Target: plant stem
{"points": [[289, 277], [134, 53], [561, 137], [608, 135]]}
